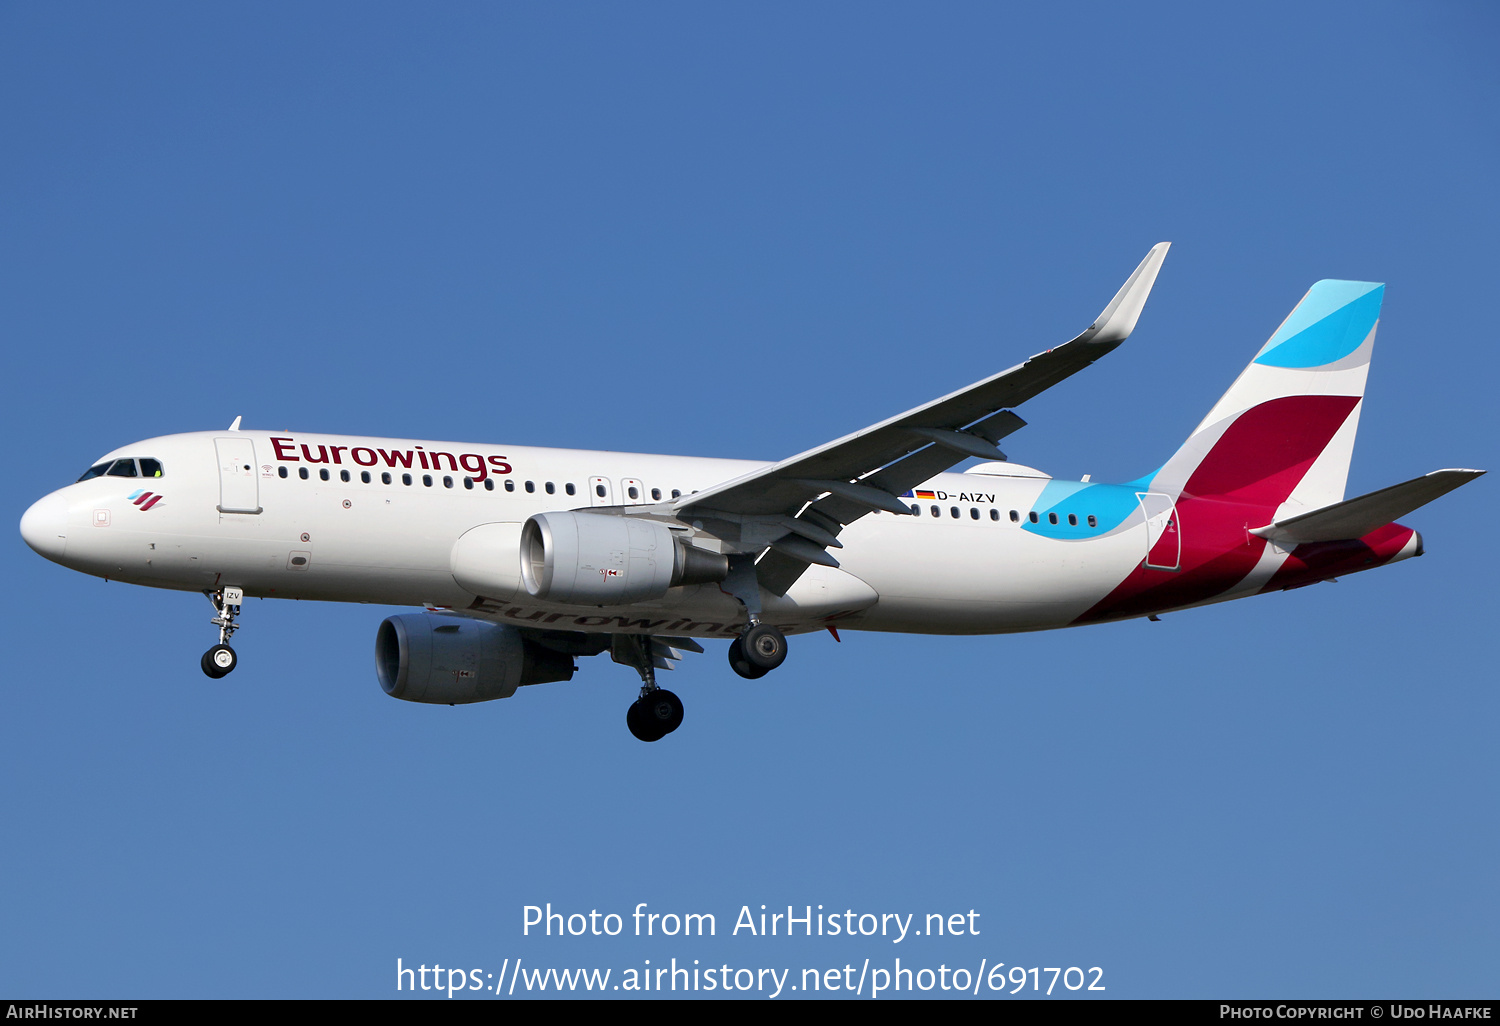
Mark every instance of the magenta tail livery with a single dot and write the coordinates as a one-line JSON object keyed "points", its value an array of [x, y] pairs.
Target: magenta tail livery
{"points": [[527, 559]]}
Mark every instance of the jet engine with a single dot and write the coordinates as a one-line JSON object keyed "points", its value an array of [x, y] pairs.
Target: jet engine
{"points": [[596, 560], [444, 660]]}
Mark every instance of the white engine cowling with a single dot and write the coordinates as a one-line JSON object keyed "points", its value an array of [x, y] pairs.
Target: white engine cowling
{"points": [[454, 661], [596, 560], [485, 561]]}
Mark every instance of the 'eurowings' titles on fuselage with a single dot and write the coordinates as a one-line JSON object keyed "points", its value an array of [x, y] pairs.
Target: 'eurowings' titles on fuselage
{"points": [[376, 520]]}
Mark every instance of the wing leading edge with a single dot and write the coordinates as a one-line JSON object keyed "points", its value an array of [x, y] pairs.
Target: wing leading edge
{"points": [[800, 504]]}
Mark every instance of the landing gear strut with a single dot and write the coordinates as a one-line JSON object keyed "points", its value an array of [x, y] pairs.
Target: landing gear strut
{"points": [[761, 647], [220, 660], [657, 712]]}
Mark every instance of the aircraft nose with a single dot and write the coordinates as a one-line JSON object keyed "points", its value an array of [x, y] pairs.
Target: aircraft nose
{"points": [[45, 526]]}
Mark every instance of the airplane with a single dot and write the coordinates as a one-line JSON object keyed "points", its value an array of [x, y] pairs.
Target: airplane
{"points": [[525, 559]]}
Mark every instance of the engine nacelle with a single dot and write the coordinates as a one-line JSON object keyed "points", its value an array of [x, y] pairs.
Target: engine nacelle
{"points": [[596, 560], [446, 660]]}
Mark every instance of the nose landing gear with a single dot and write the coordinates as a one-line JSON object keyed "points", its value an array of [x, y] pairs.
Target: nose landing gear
{"points": [[221, 659], [218, 661]]}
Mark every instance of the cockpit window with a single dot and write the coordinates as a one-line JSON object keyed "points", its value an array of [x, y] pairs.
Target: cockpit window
{"points": [[124, 468]]}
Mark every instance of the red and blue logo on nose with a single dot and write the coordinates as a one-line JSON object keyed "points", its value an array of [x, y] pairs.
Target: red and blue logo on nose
{"points": [[144, 499]]}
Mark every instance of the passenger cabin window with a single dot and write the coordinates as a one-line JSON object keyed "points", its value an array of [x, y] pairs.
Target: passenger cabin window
{"points": [[551, 488], [364, 475], [1034, 518], [633, 492], [385, 477], [343, 475], [281, 471], [1015, 517], [489, 484], [599, 490], [510, 485], [1072, 519], [1093, 520], [406, 479], [676, 493], [570, 489], [302, 473], [447, 481], [994, 514], [469, 483], [656, 494], [973, 514], [936, 512], [1051, 518], [427, 480], [531, 486], [323, 473]]}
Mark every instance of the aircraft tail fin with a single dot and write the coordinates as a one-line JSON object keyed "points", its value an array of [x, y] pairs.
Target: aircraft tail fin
{"points": [[1283, 435]]}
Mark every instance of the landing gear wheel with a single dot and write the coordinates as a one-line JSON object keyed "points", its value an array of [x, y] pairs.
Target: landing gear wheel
{"points": [[763, 647], [654, 715], [218, 661], [740, 665]]}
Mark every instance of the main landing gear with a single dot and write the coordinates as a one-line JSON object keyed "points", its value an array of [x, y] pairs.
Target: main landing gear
{"points": [[657, 712], [761, 647], [758, 651], [220, 660], [654, 715]]}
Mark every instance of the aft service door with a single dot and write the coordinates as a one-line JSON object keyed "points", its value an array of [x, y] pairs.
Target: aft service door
{"points": [[1163, 539], [239, 491]]}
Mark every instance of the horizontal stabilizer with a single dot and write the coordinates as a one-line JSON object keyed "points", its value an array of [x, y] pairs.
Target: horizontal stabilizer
{"points": [[1355, 518]]}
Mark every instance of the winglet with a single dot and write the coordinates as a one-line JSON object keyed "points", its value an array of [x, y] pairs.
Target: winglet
{"points": [[1117, 321]]}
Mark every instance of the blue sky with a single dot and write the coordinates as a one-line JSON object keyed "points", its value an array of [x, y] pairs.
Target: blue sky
{"points": [[743, 230]]}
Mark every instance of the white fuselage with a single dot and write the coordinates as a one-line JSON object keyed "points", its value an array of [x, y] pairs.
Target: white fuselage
{"points": [[959, 570]]}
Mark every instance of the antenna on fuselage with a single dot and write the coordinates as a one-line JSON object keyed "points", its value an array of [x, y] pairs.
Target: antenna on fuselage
{"points": [[236, 425]]}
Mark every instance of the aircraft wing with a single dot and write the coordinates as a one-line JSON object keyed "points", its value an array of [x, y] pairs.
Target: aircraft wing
{"points": [[868, 469]]}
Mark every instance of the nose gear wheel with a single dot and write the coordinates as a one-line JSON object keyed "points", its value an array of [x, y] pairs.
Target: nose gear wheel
{"points": [[221, 659], [218, 661]]}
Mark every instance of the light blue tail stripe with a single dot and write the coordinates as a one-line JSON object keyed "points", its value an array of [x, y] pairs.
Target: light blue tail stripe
{"points": [[1329, 324]]}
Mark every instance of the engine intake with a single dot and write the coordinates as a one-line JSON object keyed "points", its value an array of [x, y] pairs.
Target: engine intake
{"points": [[453, 661], [589, 559]]}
